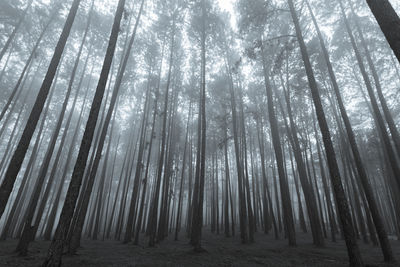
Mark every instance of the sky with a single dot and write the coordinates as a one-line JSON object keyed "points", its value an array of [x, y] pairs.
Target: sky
{"points": [[229, 6]]}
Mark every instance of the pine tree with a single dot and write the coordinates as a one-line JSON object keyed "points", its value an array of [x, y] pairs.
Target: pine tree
{"points": [[56, 247], [23, 144]]}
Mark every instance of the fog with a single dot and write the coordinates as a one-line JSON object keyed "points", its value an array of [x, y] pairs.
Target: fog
{"points": [[180, 132]]}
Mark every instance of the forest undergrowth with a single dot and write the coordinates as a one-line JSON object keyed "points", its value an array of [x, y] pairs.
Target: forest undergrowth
{"points": [[219, 251]]}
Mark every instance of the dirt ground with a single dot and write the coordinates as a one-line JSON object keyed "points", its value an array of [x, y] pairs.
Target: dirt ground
{"points": [[220, 251]]}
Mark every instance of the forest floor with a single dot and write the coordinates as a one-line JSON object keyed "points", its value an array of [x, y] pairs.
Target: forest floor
{"points": [[220, 251]]}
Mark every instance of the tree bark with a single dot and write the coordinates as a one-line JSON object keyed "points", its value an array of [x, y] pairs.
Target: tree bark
{"points": [[389, 22]]}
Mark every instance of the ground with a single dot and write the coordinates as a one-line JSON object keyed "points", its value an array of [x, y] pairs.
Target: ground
{"points": [[220, 251]]}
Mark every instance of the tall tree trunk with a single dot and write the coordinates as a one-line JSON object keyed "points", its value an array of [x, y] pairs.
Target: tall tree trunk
{"points": [[226, 208], [52, 215], [197, 219], [284, 187], [386, 111], [154, 212], [377, 113], [30, 230], [146, 174], [93, 171], [23, 144], [178, 216], [309, 194], [362, 174], [239, 163], [352, 247], [54, 169], [56, 248]]}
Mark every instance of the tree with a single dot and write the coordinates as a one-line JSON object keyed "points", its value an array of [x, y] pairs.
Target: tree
{"points": [[198, 193], [14, 32], [29, 231], [349, 235], [23, 144], [386, 248], [389, 22], [56, 247], [77, 230]]}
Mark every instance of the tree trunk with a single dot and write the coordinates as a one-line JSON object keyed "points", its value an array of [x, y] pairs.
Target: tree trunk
{"points": [[377, 113], [29, 231], [197, 220], [284, 188], [352, 247], [28, 63], [389, 22], [14, 32], [56, 247], [19, 154], [154, 214]]}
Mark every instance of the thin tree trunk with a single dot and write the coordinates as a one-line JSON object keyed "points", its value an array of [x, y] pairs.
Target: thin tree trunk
{"points": [[197, 220], [153, 216], [14, 32], [25, 70], [284, 188]]}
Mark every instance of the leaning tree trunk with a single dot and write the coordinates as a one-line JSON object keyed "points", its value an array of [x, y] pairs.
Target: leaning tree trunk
{"points": [[389, 22], [309, 194], [386, 111], [30, 231], [14, 32], [28, 63], [93, 171], [362, 174], [22, 147], [348, 230], [56, 247], [374, 104]]}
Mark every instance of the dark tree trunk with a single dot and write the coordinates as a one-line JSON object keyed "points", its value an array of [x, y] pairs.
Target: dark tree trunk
{"points": [[352, 247], [56, 247], [389, 22], [377, 113], [309, 194], [29, 231], [178, 216], [239, 163], [19, 154], [385, 245], [386, 111]]}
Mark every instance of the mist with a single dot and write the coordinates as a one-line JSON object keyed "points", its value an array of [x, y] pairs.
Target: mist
{"points": [[199, 133]]}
